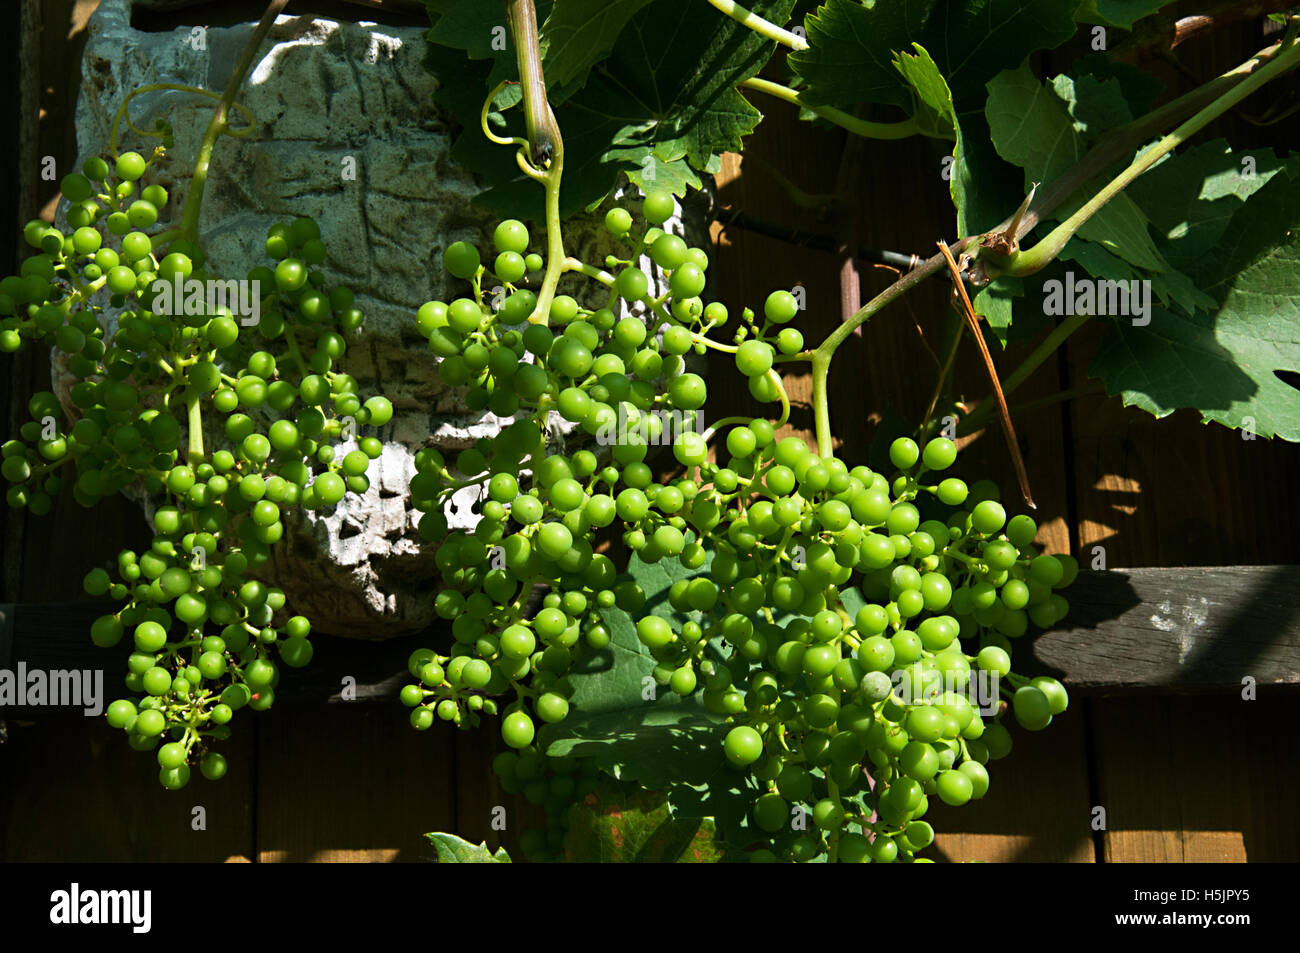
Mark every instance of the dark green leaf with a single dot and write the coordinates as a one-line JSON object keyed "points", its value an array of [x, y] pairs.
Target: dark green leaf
{"points": [[994, 303], [850, 58], [655, 744], [1139, 87], [480, 29], [852, 42], [666, 92], [620, 677], [1094, 105], [1120, 13], [579, 33], [1191, 197]]}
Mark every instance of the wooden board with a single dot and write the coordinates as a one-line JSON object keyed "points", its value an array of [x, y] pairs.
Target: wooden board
{"points": [[1179, 629], [72, 791], [1191, 780], [336, 783]]}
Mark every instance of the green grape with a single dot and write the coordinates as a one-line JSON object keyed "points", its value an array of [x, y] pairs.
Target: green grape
{"points": [[461, 259], [658, 207], [517, 730], [903, 453], [754, 358], [743, 745]]}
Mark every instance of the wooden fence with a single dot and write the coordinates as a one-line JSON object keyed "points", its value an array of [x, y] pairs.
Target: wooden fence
{"points": [[1158, 734]]}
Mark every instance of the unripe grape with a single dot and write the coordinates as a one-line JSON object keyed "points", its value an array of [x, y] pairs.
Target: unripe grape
{"points": [[743, 746]]}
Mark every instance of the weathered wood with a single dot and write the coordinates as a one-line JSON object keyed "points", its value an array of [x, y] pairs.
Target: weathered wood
{"points": [[351, 785], [1190, 780], [72, 791], [1179, 629]]}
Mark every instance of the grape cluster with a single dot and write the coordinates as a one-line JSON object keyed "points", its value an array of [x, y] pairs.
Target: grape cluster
{"points": [[832, 617], [858, 630], [539, 512], [223, 423]]}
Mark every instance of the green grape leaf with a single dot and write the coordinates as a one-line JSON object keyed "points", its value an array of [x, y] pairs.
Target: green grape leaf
{"points": [[623, 823], [850, 51], [994, 304], [1170, 286], [851, 43], [852, 601], [675, 748], [1120, 13], [640, 731], [934, 111], [654, 744], [1222, 361], [1031, 128], [653, 171], [1140, 88], [455, 850], [580, 33]]}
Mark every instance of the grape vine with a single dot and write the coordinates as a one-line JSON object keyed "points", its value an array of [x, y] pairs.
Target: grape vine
{"points": [[835, 617]]}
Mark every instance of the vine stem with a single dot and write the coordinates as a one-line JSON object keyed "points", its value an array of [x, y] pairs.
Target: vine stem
{"points": [[860, 127], [220, 117], [194, 417], [123, 111], [764, 28], [545, 161], [1031, 260]]}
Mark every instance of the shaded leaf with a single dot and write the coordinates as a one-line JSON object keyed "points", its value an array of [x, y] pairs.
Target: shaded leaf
{"points": [[1222, 362], [579, 33], [1094, 105], [1120, 13], [666, 91], [994, 304], [616, 678], [851, 44]]}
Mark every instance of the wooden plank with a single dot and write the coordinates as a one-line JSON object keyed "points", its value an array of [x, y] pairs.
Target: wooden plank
{"points": [[1182, 629], [1187, 780], [1037, 806], [73, 791], [341, 784]]}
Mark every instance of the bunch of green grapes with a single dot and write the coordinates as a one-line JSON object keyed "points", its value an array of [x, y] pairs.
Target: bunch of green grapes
{"points": [[869, 643], [222, 421], [835, 617]]}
